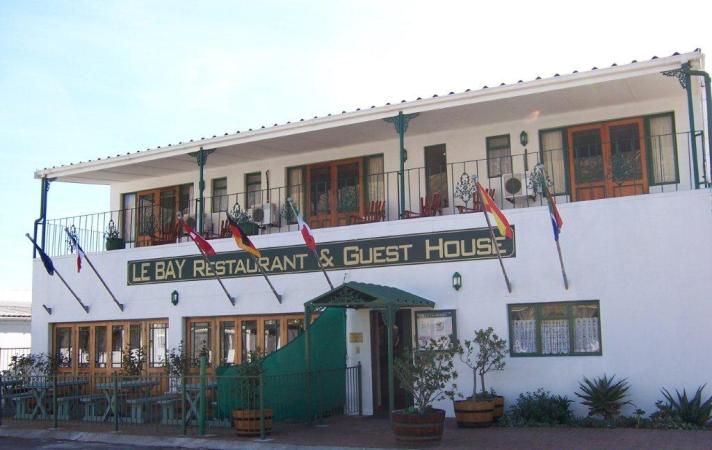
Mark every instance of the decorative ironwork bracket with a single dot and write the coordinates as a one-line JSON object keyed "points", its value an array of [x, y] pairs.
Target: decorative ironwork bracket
{"points": [[396, 121], [682, 74], [201, 156]]}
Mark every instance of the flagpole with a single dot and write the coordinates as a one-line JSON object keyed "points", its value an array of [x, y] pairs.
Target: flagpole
{"points": [[120, 305], [264, 274], [549, 201], [86, 308], [495, 248], [211, 263], [318, 261]]}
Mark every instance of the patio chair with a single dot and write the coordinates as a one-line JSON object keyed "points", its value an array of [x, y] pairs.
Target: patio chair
{"points": [[476, 204], [376, 213], [429, 206]]}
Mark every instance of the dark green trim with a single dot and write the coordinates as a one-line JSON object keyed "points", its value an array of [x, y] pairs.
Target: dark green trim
{"points": [[649, 150], [565, 149], [538, 317], [488, 139]]}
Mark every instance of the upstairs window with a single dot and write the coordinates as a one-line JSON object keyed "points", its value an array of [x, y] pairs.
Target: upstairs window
{"points": [[253, 188], [553, 148], [662, 143], [436, 172], [499, 156], [219, 194]]}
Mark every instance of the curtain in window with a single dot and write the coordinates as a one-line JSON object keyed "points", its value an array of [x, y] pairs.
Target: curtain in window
{"points": [[586, 338], [523, 330], [295, 189], [555, 336], [662, 150], [552, 146], [375, 179]]}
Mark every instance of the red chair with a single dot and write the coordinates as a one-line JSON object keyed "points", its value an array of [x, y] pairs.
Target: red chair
{"points": [[430, 206], [376, 213]]}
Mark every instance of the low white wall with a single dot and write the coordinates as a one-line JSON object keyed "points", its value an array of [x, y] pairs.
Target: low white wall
{"points": [[645, 258]]}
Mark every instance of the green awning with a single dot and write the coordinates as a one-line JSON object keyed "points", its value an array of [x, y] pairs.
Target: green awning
{"points": [[366, 295]]}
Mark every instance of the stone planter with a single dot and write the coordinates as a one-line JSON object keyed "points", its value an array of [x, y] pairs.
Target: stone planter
{"points": [[413, 428]]}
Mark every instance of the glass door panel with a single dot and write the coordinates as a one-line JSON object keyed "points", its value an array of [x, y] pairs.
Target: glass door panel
{"points": [[248, 338], [146, 218], [587, 163], [347, 188], [628, 166]]}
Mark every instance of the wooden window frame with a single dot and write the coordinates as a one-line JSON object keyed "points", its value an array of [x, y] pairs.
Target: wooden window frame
{"points": [[538, 317], [489, 149]]}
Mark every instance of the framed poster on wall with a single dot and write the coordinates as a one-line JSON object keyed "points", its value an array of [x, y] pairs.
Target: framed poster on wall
{"points": [[434, 325]]}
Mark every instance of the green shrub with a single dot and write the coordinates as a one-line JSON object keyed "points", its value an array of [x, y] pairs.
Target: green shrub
{"points": [[604, 396], [541, 408], [682, 409]]}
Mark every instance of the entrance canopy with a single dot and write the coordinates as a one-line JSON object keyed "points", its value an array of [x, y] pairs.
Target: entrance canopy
{"points": [[372, 296], [358, 295]]}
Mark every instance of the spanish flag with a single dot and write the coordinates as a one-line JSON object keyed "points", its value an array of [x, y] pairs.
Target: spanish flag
{"points": [[491, 207], [241, 238]]}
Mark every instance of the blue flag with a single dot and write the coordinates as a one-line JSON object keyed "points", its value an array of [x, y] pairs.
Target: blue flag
{"points": [[46, 260]]}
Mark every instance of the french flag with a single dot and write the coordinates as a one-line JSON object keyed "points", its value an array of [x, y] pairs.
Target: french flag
{"points": [[556, 221], [306, 233]]}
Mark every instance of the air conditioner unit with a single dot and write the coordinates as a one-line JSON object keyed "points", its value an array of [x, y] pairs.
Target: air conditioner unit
{"points": [[516, 185], [265, 214]]}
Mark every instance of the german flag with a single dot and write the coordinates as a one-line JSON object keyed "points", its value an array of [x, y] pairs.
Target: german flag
{"points": [[241, 238], [491, 207]]}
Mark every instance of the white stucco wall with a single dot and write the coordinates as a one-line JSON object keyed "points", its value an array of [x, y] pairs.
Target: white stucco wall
{"points": [[15, 333], [644, 258]]}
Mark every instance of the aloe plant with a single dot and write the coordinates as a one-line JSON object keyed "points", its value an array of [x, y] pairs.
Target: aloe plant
{"points": [[683, 409], [604, 396]]}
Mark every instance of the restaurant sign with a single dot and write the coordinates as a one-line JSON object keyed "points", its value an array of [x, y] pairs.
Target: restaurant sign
{"points": [[442, 246]]}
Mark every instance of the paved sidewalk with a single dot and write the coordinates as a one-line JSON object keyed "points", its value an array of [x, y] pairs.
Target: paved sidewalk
{"points": [[369, 432]]}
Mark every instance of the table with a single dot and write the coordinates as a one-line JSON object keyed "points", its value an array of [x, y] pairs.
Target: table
{"points": [[143, 386], [39, 390]]}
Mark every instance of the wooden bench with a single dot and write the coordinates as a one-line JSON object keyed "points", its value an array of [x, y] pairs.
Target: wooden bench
{"points": [[91, 402], [21, 400], [137, 405]]}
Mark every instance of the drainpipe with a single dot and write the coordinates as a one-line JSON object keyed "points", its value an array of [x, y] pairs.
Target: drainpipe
{"points": [[400, 122], [201, 156], [708, 107], [44, 188]]}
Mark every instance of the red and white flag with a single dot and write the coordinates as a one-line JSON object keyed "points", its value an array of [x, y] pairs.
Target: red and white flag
{"points": [[202, 244], [306, 233]]}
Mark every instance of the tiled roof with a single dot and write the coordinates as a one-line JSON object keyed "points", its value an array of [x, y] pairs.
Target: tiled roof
{"points": [[227, 133], [15, 311]]}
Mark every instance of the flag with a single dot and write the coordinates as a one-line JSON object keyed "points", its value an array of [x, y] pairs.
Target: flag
{"points": [[491, 207], [80, 251], [202, 244], [306, 233], [241, 238], [46, 260], [556, 221]]}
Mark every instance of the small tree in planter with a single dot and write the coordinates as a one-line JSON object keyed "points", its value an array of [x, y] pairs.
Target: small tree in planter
{"points": [[482, 354], [177, 364], [247, 415], [428, 374], [133, 362]]}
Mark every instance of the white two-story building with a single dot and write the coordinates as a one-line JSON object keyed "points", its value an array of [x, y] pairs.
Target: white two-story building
{"points": [[387, 191]]}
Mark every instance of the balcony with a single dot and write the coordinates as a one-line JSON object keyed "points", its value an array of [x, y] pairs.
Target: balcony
{"points": [[344, 193]]}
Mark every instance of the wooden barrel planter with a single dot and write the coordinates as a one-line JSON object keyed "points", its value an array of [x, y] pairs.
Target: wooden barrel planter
{"points": [[498, 407], [474, 413], [416, 427], [247, 421]]}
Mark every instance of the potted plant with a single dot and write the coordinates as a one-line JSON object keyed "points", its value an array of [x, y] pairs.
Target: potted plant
{"points": [[247, 418], [249, 226], [428, 374], [111, 235], [482, 354], [133, 362]]}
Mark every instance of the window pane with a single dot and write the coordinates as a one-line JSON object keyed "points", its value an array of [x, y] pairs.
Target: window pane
{"points": [[64, 347], [625, 152], [83, 347], [320, 182], [157, 344], [100, 347], [253, 182], [294, 328], [117, 345], [499, 159], [588, 156], [271, 336], [552, 147], [436, 172], [347, 187], [523, 329], [227, 342], [219, 202], [586, 326], [200, 342], [662, 150], [375, 179], [134, 338], [128, 216], [249, 338], [295, 189], [554, 330]]}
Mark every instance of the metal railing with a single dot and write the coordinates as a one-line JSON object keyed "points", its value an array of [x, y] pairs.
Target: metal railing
{"points": [[192, 404], [376, 196], [6, 355]]}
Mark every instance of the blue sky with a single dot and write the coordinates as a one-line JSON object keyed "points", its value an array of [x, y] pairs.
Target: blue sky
{"points": [[81, 80]]}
